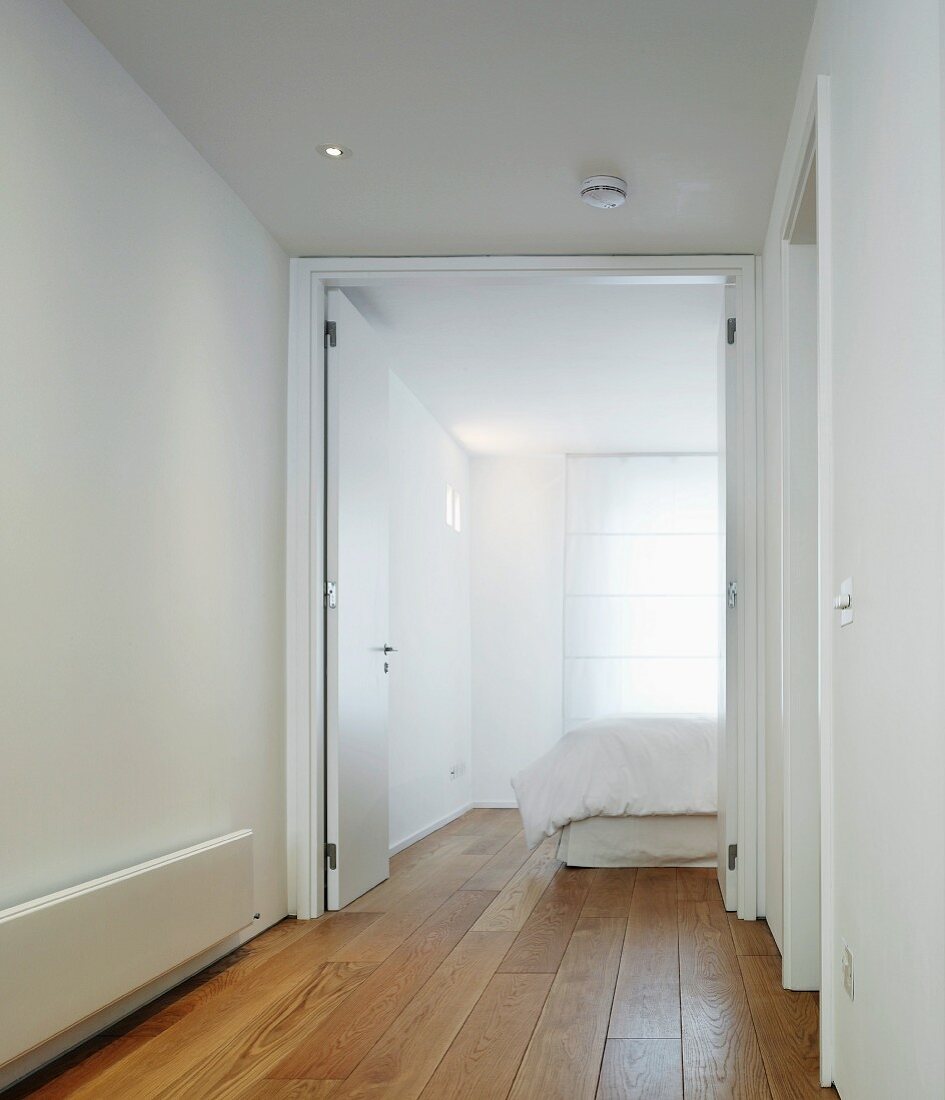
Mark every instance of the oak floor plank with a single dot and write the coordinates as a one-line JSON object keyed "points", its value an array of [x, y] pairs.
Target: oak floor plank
{"points": [[507, 821], [611, 892], [646, 1000], [495, 874], [484, 1056], [482, 821], [454, 874], [223, 1059], [377, 942], [217, 1020], [563, 1058], [467, 824], [68, 1074], [487, 844], [696, 883], [385, 935], [786, 1025], [519, 897], [402, 1062], [224, 1070], [540, 945], [752, 937], [408, 858], [391, 893], [641, 1069], [289, 1090], [336, 1047], [721, 1057]]}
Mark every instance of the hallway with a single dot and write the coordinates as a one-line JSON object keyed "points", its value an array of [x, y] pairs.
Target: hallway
{"points": [[480, 971]]}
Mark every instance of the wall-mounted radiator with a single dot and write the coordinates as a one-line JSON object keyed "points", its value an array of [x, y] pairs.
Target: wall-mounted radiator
{"points": [[68, 955]]}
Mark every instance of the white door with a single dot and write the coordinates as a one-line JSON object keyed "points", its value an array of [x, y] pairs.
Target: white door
{"points": [[802, 602], [728, 665], [356, 567]]}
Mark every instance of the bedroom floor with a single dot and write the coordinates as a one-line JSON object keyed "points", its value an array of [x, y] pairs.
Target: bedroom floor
{"points": [[478, 971]]}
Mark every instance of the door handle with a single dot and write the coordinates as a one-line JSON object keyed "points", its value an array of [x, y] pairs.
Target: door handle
{"points": [[388, 649]]}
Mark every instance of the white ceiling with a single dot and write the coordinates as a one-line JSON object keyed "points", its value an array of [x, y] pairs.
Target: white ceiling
{"points": [[473, 121], [558, 369]]}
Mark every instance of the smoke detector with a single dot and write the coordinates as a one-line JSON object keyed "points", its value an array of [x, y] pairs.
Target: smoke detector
{"points": [[604, 192]]}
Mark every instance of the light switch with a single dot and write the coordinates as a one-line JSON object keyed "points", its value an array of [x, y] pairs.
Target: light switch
{"points": [[846, 968]]}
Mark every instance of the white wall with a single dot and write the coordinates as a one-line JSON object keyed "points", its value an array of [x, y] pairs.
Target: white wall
{"points": [[517, 520], [430, 625], [142, 481], [884, 62]]}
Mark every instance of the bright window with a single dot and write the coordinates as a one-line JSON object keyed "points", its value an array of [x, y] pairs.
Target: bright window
{"points": [[642, 586], [454, 511]]}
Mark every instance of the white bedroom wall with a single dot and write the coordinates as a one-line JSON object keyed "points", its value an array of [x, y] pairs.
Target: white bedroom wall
{"points": [[884, 60], [142, 481], [430, 622], [517, 523]]}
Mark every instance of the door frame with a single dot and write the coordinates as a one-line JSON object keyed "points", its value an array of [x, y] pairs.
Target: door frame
{"points": [[814, 148], [305, 531]]}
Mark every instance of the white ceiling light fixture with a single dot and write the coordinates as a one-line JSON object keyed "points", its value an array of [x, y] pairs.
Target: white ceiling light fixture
{"points": [[334, 151], [604, 192]]}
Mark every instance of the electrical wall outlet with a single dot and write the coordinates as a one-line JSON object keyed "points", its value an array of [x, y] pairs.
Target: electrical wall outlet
{"points": [[846, 968]]}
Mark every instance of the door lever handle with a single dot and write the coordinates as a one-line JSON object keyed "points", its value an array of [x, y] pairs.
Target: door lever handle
{"points": [[388, 649]]}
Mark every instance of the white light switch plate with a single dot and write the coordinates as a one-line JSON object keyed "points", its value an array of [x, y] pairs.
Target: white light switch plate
{"points": [[846, 968], [846, 589]]}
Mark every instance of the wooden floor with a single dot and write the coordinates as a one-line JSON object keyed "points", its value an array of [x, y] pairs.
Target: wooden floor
{"points": [[478, 971]]}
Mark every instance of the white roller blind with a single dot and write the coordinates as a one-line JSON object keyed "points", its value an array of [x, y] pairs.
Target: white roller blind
{"points": [[642, 599]]}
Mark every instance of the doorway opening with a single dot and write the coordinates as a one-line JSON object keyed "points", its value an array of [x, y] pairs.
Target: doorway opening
{"points": [[358, 293]]}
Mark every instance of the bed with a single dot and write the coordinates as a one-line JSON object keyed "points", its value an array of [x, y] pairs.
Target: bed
{"points": [[627, 791]]}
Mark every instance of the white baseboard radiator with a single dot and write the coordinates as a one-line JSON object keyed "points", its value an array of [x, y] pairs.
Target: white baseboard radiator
{"points": [[71, 954]]}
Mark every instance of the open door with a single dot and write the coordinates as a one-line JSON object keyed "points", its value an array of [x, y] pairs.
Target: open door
{"points": [[728, 619], [357, 603], [802, 598]]}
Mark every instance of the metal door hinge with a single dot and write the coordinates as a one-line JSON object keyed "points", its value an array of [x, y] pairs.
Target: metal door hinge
{"points": [[331, 856], [729, 330], [331, 595], [732, 595], [732, 856], [331, 334]]}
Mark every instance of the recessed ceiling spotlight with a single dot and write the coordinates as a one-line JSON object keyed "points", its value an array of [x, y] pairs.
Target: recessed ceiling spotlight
{"points": [[604, 192], [334, 151]]}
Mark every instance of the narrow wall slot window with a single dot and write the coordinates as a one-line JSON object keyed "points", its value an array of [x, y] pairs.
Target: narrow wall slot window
{"points": [[454, 511]]}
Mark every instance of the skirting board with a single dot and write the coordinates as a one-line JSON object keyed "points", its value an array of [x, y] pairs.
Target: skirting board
{"points": [[431, 828]]}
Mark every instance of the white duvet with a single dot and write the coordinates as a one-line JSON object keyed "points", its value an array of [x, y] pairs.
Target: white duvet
{"points": [[626, 765]]}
